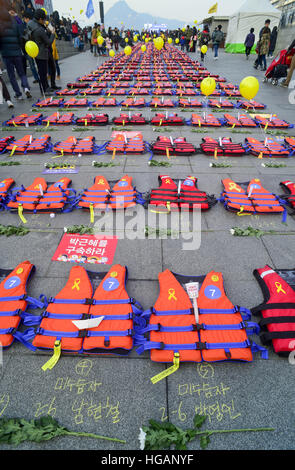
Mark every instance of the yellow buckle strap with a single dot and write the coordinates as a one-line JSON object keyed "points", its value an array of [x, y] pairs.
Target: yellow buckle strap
{"points": [[167, 372], [54, 359]]}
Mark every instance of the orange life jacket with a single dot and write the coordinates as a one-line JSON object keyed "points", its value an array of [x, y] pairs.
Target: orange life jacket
{"points": [[5, 185], [76, 102], [14, 302], [223, 147], [215, 330], [133, 102], [72, 145], [4, 142], [289, 187], [49, 102], [41, 197], [290, 143], [24, 120], [250, 104], [177, 146], [161, 103], [134, 119], [255, 199], [189, 103], [167, 119], [220, 104], [78, 302], [104, 102], [206, 120], [67, 92], [277, 309], [268, 148], [58, 119], [185, 194], [272, 122], [90, 91]]}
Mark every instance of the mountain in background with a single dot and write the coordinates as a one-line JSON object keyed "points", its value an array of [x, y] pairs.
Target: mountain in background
{"points": [[121, 12]]}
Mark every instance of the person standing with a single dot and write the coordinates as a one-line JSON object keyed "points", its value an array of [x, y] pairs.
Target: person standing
{"points": [[43, 38], [217, 38], [11, 51], [204, 39], [5, 92], [263, 47], [94, 40], [27, 16], [249, 42], [273, 41]]}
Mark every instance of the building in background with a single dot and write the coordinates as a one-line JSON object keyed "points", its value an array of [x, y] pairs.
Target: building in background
{"points": [[286, 32], [213, 22]]}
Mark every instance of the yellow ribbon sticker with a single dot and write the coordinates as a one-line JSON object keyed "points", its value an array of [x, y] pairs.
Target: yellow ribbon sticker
{"points": [[76, 284], [279, 288], [232, 186], [171, 293]]}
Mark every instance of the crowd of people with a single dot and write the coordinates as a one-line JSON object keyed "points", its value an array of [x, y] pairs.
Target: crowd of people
{"points": [[21, 22]]}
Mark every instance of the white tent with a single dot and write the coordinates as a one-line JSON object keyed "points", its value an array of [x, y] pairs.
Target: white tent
{"points": [[252, 14]]}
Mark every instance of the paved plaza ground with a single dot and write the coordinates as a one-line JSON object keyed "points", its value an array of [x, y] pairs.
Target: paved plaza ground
{"points": [[114, 396]]}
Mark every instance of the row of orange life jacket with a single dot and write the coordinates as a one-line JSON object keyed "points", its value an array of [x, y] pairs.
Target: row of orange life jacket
{"points": [[41, 196], [192, 319]]}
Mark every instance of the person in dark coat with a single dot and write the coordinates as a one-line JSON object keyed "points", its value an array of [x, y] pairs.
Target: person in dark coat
{"points": [[273, 41], [204, 39], [44, 39], [11, 51], [249, 42]]}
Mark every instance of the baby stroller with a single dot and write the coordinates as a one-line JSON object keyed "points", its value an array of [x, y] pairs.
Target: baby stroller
{"points": [[279, 66]]}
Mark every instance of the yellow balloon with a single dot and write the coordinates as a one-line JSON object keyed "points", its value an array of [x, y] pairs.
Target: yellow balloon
{"points": [[196, 22], [159, 43], [126, 40], [249, 87], [204, 49], [135, 38], [32, 49], [176, 41], [81, 11], [143, 48], [146, 40], [100, 40], [170, 40], [127, 50], [208, 85], [112, 53], [183, 30]]}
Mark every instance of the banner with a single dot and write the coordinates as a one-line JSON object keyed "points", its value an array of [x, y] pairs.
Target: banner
{"points": [[91, 249], [89, 9]]}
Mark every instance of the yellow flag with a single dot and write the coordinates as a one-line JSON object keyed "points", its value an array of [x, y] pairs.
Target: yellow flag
{"points": [[213, 9]]}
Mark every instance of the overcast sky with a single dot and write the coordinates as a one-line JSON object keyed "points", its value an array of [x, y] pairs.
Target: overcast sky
{"points": [[186, 10]]}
